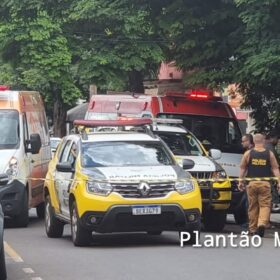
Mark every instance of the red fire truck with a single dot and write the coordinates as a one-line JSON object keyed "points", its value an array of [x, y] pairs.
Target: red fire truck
{"points": [[211, 120]]}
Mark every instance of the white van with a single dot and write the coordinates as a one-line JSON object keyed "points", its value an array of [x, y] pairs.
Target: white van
{"points": [[25, 153]]}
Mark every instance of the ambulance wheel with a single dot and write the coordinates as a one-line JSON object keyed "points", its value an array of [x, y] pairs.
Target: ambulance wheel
{"points": [[54, 227], [40, 210], [214, 220], [3, 274], [22, 219], [80, 235]]}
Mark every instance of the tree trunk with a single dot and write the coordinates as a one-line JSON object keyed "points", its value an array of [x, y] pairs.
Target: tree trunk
{"points": [[59, 118], [136, 82]]}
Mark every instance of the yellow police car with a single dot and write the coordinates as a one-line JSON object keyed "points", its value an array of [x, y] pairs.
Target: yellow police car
{"points": [[213, 181], [118, 181]]}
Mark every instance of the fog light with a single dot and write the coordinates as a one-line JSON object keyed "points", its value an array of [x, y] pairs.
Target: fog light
{"points": [[91, 220], [192, 217]]}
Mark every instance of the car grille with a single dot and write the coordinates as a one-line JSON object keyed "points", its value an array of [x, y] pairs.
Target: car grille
{"points": [[202, 175], [132, 190]]}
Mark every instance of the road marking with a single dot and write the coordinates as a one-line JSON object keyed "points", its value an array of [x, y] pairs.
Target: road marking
{"points": [[36, 278], [12, 253], [28, 270]]}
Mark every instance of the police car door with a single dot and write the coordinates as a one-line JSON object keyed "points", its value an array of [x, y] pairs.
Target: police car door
{"points": [[63, 180]]}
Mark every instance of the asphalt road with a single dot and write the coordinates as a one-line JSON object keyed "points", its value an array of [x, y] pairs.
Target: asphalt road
{"points": [[31, 255]]}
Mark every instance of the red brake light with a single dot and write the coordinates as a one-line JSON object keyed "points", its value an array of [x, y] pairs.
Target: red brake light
{"points": [[122, 122], [3, 87], [202, 95]]}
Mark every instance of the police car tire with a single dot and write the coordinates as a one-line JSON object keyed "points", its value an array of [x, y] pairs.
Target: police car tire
{"points": [[22, 219], [214, 220], [40, 210], [80, 236], [3, 273], [54, 227]]}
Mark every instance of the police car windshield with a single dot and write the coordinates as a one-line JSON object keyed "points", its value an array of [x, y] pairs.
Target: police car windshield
{"points": [[9, 127], [181, 144], [124, 153]]}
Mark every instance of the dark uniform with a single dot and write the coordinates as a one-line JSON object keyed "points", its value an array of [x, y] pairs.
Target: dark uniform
{"points": [[259, 192]]}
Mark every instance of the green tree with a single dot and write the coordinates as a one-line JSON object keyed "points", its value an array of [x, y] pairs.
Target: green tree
{"points": [[116, 42], [218, 42], [203, 38], [36, 53], [258, 63]]}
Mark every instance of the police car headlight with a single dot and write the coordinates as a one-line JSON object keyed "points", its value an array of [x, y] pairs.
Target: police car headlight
{"points": [[99, 188], [219, 175], [12, 170], [184, 187]]}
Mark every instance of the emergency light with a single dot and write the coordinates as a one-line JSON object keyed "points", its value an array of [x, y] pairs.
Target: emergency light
{"points": [[121, 122]]}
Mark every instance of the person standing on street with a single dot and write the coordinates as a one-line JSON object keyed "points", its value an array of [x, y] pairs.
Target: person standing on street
{"points": [[271, 143], [258, 162], [247, 142]]}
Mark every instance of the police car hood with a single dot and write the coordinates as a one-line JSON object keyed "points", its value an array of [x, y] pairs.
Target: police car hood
{"points": [[6, 156], [202, 163], [138, 173]]}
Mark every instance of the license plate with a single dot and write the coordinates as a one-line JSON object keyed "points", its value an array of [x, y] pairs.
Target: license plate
{"points": [[146, 210]]}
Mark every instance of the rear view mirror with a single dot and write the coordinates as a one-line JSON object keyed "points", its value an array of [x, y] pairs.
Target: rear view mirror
{"points": [[188, 164], [215, 154], [64, 167], [34, 144]]}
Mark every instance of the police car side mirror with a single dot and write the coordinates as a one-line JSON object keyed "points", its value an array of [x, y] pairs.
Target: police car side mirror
{"points": [[215, 154], [188, 164], [64, 167]]}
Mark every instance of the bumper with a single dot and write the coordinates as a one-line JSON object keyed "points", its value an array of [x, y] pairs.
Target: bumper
{"points": [[120, 219], [216, 196], [11, 197]]}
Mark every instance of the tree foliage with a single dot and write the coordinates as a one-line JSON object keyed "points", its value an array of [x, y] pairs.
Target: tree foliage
{"points": [[258, 66], [60, 47], [218, 42]]}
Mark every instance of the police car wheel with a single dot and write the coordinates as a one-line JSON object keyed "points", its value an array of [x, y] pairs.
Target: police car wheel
{"points": [[22, 219], [54, 227], [214, 220], [80, 236], [3, 274]]}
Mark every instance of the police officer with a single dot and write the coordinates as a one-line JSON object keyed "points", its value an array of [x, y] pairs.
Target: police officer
{"points": [[258, 162]]}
